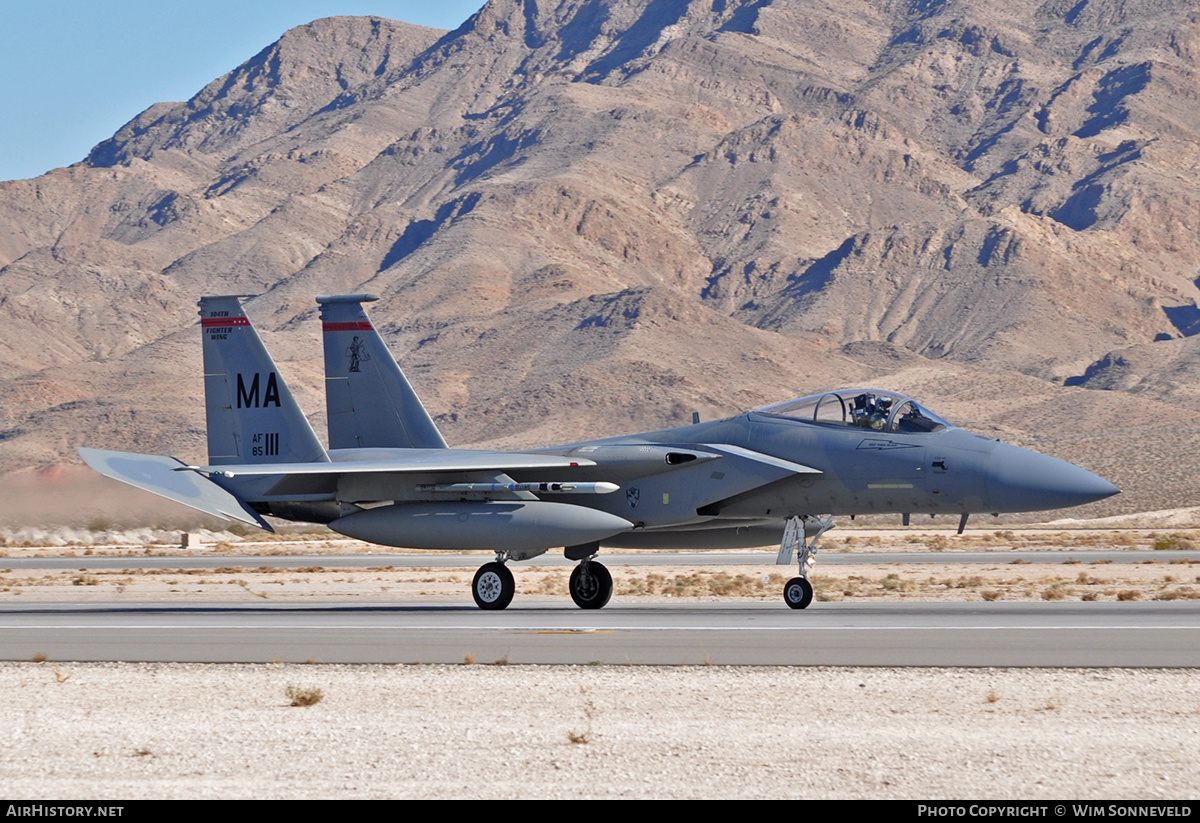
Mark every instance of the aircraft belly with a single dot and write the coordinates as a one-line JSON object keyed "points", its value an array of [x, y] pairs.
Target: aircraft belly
{"points": [[740, 537]]}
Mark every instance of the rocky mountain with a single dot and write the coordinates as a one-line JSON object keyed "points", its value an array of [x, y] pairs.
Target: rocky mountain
{"points": [[587, 217]]}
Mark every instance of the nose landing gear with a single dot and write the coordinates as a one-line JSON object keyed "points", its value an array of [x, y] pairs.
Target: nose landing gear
{"points": [[798, 592]]}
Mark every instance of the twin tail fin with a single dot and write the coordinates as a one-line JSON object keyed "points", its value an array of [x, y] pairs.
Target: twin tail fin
{"points": [[252, 416], [369, 400]]}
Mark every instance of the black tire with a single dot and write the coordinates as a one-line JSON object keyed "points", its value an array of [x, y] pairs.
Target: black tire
{"points": [[798, 593], [593, 590], [493, 586]]}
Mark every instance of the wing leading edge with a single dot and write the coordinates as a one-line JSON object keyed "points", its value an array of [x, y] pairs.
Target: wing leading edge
{"points": [[405, 461]]}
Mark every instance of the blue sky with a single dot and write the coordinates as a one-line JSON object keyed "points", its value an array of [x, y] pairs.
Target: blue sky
{"points": [[72, 72]]}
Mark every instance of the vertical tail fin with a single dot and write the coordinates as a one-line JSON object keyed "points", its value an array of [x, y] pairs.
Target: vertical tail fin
{"points": [[252, 416], [370, 402]]}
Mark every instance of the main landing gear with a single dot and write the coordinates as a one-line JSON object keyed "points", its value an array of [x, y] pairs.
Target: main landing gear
{"points": [[591, 583], [798, 592], [493, 586]]}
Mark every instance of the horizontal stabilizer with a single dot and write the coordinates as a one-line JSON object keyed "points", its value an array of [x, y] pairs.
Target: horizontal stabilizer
{"points": [[402, 461], [160, 475]]}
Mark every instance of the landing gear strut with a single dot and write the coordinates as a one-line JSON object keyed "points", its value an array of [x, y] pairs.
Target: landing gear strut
{"points": [[798, 592], [493, 586], [591, 585]]}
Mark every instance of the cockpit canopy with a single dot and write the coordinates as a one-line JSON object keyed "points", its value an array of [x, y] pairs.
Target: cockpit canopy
{"points": [[872, 409]]}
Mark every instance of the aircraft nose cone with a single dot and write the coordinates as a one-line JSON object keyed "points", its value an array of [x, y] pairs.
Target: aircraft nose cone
{"points": [[1023, 481]]}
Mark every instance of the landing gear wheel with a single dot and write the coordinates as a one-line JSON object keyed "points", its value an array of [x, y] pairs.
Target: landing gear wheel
{"points": [[798, 593], [493, 586], [591, 585]]}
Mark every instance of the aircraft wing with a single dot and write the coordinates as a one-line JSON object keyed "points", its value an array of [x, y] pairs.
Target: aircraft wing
{"points": [[787, 466], [408, 461], [631, 461], [160, 475]]}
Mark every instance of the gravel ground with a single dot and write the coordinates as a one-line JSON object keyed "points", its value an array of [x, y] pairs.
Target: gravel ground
{"points": [[128, 731]]}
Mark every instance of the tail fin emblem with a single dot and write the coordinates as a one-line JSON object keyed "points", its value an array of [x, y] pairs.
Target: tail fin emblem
{"points": [[357, 352]]}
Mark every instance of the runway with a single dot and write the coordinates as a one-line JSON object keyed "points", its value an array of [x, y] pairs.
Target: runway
{"points": [[680, 559], [1096, 634]]}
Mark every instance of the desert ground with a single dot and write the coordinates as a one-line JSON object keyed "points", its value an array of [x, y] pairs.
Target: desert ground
{"points": [[125, 731]]}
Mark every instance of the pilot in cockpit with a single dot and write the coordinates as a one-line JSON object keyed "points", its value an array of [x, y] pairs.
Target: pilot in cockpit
{"points": [[870, 412]]}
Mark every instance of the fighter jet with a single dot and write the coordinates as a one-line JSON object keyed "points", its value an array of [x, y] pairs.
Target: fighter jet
{"points": [[776, 475]]}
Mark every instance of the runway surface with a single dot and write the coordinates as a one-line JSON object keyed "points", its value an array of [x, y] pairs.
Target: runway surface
{"points": [[682, 559], [1097, 634]]}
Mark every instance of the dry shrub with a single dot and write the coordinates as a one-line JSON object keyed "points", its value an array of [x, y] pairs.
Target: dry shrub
{"points": [[1181, 593], [589, 712], [699, 584], [304, 697], [556, 585], [1055, 592], [1173, 542]]}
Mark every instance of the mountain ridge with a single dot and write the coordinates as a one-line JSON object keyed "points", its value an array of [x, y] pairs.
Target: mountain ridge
{"points": [[680, 205]]}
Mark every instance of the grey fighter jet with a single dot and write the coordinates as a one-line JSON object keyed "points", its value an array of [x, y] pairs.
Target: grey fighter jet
{"points": [[777, 475]]}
